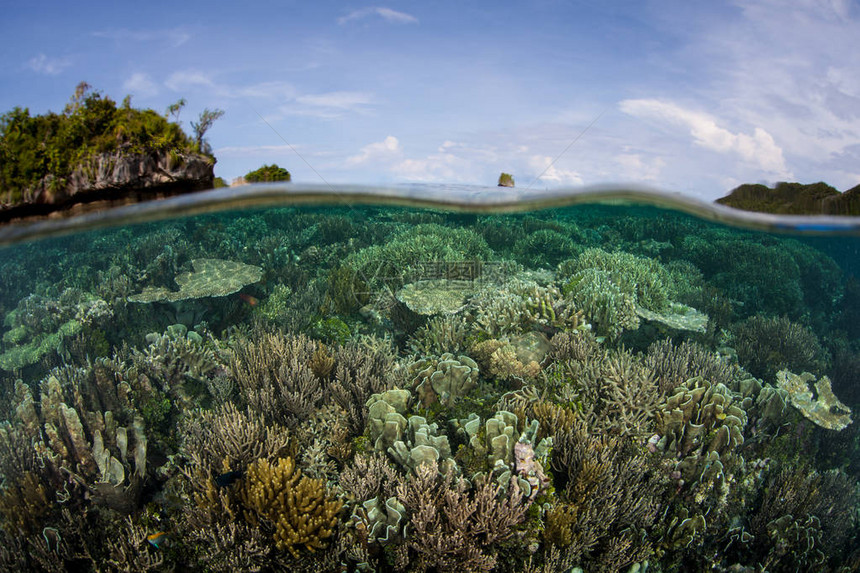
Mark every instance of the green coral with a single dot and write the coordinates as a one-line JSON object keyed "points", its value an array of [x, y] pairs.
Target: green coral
{"points": [[645, 280], [416, 253]]}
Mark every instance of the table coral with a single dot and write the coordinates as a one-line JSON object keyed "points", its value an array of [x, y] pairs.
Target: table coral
{"points": [[826, 411], [211, 277]]}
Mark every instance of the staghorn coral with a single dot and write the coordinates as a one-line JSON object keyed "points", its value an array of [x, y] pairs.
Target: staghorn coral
{"points": [[296, 507], [39, 326], [275, 378], [440, 335], [803, 518], [768, 345], [369, 476], [609, 310], [451, 528], [213, 438], [644, 279], [362, 367], [609, 490], [230, 547], [127, 550], [520, 305], [178, 363], [675, 364], [417, 252], [612, 389]]}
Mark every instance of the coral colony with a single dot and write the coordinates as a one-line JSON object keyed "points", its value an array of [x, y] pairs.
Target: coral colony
{"points": [[593, 389]]}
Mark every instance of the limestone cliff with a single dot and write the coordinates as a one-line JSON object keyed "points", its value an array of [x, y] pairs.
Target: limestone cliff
{"points": [[116, 177]]}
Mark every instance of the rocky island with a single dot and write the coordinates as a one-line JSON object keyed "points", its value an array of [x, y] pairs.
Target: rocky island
{"points": [[96, 153], [794, 199]]}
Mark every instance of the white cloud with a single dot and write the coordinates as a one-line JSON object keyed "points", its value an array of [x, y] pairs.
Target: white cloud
{"points": [[267, 90], [140, 84], [255, 151], [635, 168], [387, 14], [42, 64], [181, 81], [759, 148], [549, 173], [340, 100], [434, 168], [174, 37], [381, 151]]}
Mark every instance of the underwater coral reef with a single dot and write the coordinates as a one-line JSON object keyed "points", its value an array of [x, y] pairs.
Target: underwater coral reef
{"points": [[595, 388]]}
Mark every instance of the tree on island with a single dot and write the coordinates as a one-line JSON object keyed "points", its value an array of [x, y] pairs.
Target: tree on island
{"points": [[506, 180], [202, 125], [268, 174], [174, 109]]}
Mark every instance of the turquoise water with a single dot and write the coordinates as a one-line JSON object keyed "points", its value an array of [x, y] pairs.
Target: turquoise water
{"points": [[346, 387]]}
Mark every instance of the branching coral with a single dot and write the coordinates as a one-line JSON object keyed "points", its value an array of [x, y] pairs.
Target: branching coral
{"points": [[439, 335], [767, 345], [610, 310], [297, 508], [610, 490], [675, 364], [359, 372], [611, 389], [803, 518], [520, 305], [275, 378], [451, 528], [212, 437]]}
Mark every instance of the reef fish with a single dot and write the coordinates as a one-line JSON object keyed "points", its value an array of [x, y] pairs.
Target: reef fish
{"points": [[227, 479], [253, 301], [158, 539]]}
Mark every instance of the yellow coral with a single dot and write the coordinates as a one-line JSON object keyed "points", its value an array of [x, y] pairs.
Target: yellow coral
{"points": [[296, 506]]}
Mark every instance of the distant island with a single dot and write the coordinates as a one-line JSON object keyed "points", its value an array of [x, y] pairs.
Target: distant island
{"points": [[794, 199], [96, 152]]}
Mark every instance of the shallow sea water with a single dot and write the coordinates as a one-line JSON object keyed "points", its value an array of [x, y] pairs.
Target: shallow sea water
{"points": [[430, 379]]}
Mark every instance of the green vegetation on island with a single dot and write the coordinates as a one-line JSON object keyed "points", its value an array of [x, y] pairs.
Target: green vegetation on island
{"points": [[794, 199], [268, 174], [51, 157], [506, 180]]}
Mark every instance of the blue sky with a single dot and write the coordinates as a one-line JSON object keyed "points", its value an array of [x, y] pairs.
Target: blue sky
{"points": [[693, 97]]}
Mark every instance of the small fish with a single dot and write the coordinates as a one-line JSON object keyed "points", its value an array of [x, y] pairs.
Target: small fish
{"points": [[229, 478], [158, 539], [249, 299]]}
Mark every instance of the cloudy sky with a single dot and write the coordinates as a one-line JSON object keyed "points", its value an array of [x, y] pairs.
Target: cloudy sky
{"points": [[693, 97]]}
